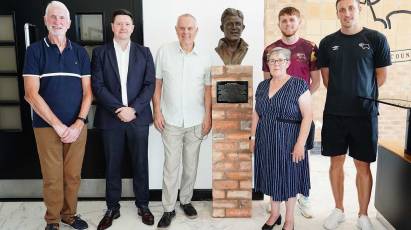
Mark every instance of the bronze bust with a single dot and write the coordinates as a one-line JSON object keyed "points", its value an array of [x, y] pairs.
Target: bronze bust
{"points": [[232, 48]]}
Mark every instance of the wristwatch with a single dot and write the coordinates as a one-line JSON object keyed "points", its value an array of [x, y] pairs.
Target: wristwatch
{"points": [[251, 138], [84, 120]]}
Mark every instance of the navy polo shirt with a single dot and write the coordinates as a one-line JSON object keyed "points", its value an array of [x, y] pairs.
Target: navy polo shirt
{"points": [[60, 78]]}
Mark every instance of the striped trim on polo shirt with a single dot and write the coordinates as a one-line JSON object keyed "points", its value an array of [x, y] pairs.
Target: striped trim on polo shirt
{"points": [[60, 74], [57, 74], [68, 41]]}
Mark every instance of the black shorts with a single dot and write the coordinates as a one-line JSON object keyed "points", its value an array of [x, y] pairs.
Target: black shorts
{"points": [[358, 134]]}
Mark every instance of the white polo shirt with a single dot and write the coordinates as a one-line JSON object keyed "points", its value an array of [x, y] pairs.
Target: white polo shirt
{"points": [[184, 76], [123, 57]]}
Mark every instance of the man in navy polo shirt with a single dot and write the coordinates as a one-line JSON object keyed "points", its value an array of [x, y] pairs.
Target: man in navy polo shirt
{"points": [[57, 86]]}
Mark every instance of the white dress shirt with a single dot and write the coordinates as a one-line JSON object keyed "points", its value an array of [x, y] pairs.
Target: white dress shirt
{"points": [[184, 76], [122, 62]]}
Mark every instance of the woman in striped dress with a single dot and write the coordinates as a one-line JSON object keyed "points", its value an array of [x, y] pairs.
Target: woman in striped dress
{"points": [[280, 126]]}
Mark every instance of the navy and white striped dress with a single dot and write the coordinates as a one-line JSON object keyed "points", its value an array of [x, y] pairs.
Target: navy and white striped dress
{"points": [[277, 130]]}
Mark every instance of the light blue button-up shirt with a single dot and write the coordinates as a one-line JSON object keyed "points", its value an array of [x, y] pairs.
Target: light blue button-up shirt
{"points": [[184, 77]]}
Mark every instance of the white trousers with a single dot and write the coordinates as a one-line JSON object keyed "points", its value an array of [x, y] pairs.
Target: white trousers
{"points": [[181, 151]]}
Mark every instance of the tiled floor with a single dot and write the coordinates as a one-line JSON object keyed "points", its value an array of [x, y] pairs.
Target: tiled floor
{"points": [[28, 215]]}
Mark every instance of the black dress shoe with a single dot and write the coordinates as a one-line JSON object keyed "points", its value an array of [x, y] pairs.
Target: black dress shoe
{"points": [[269, 227], [189, 210], [52, 227], [77, 223], [108, 218], [165, 220], [146, 216]]}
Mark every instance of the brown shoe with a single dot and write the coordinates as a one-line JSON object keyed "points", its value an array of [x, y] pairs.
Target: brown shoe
{"points": [[146, 216], [108, 218]]}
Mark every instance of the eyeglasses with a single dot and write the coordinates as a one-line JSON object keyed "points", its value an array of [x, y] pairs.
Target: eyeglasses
{"points": [[276, 61]]}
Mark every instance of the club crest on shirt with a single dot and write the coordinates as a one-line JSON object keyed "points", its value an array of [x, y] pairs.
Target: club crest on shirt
{"points": [[300, 57], [335, 48], [364, 45]]}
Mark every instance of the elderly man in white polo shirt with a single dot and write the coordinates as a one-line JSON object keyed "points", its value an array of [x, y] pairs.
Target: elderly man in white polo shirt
{"points": [[182, 113]]}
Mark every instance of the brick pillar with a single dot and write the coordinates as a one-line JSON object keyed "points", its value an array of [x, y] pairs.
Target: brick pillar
{"points": [[232, 164]]}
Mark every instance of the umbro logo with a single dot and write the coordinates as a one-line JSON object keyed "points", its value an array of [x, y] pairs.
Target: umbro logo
{"points": [[364, 46], [335, 48]]}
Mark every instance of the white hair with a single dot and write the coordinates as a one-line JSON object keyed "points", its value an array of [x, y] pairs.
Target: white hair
{"points": [[279, 50], [57, 4], [189, 16]]}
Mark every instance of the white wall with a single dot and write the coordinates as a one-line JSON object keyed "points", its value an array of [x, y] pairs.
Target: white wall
{"points": [[159, 18]]}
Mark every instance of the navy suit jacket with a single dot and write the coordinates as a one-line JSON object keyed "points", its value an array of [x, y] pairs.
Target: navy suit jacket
{"points": [[105, 82]]}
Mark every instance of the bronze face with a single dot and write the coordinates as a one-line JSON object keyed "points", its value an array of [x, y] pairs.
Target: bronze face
{"points": [[232, 27]]}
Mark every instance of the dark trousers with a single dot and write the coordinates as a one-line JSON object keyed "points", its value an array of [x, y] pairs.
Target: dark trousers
{"points": [[115, 141]]}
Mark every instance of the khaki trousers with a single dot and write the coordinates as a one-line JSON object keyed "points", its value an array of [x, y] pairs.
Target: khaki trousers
{"points": [[61, 170], [181, 148]]}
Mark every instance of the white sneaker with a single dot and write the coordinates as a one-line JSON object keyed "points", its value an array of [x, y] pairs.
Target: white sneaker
{"points": [[364, 223], [304, 205], [334, 219]]}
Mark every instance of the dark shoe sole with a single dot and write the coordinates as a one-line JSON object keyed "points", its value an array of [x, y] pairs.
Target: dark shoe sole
{"points": [[71, 226], [162, 228], [116, 216], [150, 223], [192, 217], [166, 227]]}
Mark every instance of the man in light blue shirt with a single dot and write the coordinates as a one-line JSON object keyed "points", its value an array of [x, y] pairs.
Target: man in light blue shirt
{"points": [[182, 113]]}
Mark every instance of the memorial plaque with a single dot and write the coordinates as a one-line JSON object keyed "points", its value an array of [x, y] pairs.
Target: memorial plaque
{"points": [[232, 92]]}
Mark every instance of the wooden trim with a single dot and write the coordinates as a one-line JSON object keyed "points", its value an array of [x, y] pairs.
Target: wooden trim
{"points": [[395, 147]]}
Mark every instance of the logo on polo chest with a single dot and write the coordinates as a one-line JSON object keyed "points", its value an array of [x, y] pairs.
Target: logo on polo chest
{"points": [[364, 45], [335, 48]]}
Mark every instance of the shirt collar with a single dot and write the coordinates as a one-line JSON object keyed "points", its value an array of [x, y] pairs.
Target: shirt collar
{"points": [[118, 47], [194, 51], [49, 44], [223, 43]]}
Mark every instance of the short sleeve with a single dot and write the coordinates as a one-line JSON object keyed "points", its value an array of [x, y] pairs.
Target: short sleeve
{"points": [[259, 90], [314, 58], [382, 55], [85, 63], [323, 59], [302, 87], [159, 63], [31, 62], [264, 61], [207, 75]]}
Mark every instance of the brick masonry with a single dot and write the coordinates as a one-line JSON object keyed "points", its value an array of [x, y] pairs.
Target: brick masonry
{"points": [[319, 20], [232, 159]]}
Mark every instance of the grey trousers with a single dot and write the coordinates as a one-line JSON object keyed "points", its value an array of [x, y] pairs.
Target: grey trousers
{"points": [[181, 150]]}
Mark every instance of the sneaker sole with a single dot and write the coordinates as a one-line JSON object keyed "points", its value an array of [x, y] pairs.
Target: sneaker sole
{"points": [[339, 222], [358, 226], [304, 214]]}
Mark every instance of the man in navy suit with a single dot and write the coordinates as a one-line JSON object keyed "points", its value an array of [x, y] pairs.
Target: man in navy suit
{"points": [[123, 83]]}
